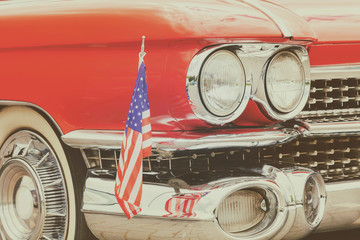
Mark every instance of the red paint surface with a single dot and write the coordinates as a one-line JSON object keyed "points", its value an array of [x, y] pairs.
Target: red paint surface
{"points": [[333, 54], [78, 61]]}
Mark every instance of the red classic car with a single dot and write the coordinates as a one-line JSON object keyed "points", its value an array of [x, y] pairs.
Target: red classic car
{"points": [[255, 118]]}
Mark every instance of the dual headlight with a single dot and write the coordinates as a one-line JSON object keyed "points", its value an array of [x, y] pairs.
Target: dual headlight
{"points": [[219, 83], [285, 82], [222, 83]]}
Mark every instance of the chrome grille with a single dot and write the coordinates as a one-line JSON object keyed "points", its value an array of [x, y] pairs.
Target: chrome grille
{"points": [[333, 98], [335, 158], [105, 159]]}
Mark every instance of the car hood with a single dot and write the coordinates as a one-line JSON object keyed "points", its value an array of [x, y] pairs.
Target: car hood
{"points": [[332, 21], [83, 22]]}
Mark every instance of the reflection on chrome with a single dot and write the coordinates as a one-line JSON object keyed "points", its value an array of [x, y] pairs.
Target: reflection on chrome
{"points": [[277, 208]]}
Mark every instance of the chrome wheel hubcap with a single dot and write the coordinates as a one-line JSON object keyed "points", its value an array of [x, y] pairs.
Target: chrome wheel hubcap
{"points": [[33, 201]]}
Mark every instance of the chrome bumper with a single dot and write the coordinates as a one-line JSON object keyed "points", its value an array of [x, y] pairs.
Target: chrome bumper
{"points": [[342, 206], [106, 220]]}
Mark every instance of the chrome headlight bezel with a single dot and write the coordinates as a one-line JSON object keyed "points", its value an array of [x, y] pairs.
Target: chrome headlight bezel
{"points": [[196, 99], [207, 71], [271, 110], [269, 92], [255, 58]]}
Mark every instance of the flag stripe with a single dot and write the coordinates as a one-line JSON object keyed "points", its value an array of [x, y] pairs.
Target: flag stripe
{"points": [[146, 128], [133, 178], [131, 149], [147, 136], [130, 166], [146, 114], [146, 121], [147, 143], [147, 152], [128, 140], [134, 193]]}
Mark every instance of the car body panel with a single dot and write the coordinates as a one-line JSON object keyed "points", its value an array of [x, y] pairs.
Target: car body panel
{"points": [[41, 35], [81, 50]]}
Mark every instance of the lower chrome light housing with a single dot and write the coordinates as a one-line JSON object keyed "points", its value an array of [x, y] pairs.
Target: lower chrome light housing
{"points": [[251, 213], [314, 199], [241, 211], [310, 196]]}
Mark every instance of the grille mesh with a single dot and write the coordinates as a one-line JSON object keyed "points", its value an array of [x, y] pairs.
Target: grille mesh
{"points": [[335, 97], [335, 158]]}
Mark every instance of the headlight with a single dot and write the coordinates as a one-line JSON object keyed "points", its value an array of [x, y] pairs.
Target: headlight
{"points": [[222, 83], [285, 81]]}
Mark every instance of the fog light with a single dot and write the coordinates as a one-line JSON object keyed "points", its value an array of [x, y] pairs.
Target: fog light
{"points": [[310, 194], [241, 211]]}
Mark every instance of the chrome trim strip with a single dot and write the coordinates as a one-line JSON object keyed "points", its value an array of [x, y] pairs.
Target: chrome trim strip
{"points": [[328, 113], [335, 71], [113, 139], [32, 105], [167, 141], [332, 128], [273, 17], [342, 206], [94, 139]]}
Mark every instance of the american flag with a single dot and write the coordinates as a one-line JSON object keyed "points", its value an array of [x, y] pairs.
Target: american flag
{"points": [[183, 205], [136, 146]]}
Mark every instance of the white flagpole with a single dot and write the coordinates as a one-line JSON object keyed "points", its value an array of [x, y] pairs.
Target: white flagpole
{"points": [[142, 53]]}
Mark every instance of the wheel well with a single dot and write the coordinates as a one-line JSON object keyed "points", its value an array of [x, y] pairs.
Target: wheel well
{"points": [[51, 121]]}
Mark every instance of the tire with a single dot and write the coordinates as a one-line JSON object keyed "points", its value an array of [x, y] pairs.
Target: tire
{"points": [[38, 198]]}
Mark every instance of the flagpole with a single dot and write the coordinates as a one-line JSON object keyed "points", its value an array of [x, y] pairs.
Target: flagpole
{"points": [[142, 52], [137, 135]]}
